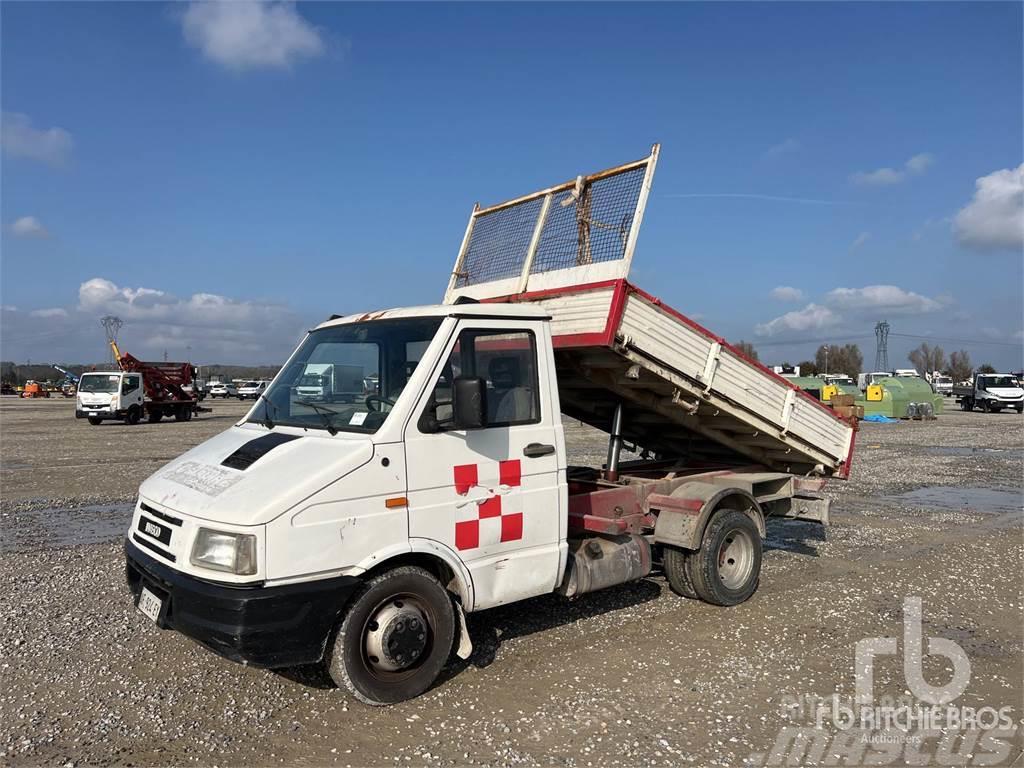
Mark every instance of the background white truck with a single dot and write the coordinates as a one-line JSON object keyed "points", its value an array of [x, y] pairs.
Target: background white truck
{"points": [[991, 392], [330, 382], [138, 390], [358, 534]]}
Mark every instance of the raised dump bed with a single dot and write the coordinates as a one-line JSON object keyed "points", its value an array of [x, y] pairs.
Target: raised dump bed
{"points": [[684, 391]]}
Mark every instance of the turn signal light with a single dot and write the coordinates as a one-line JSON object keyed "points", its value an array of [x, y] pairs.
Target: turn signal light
{"points": [[397, 501]]}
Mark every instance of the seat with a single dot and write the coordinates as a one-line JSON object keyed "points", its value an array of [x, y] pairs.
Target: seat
{"points": [[507, 401]]}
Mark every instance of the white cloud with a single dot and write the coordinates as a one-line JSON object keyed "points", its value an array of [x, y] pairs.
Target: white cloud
{"points": [[881, 177], [919, 163], [218, 329], [53, 312], [29, 226], [21, 139], [883, 297], [251, 34], [787, 293], [811, 317], [995, 216], [787, 147], [841, 305], [859, 240]]}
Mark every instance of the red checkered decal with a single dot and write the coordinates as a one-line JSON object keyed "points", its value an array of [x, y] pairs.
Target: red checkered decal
{"points": [[497, 517]]}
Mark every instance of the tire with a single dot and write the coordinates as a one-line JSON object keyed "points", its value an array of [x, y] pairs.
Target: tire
{"points": [[133, 415], [400, 596], [727, 567], [155, 416], [1020, 409], [94, 421], [966, 405], [991, 407], [183, 413], [677, 563]]}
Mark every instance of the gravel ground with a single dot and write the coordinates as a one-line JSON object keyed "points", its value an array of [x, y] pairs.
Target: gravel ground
{"points": [[632, 675]]}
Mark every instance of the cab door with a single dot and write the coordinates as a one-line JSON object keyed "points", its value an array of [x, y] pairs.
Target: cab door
{"points": [[493, 495], [131, 390]]}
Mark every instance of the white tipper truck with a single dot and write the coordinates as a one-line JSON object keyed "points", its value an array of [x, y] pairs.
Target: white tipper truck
{"points": [[359, 534]]}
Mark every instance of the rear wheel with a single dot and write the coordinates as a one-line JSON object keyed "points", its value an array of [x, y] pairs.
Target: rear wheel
{"points": [[395, 637], [727, 567], [183, 413], [94, 421], [966, 405]]}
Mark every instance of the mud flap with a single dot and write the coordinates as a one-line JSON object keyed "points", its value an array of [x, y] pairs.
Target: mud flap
{"points": [[465, 648]]}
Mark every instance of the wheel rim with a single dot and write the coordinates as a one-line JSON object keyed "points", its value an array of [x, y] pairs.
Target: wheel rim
{"points": [[735, 558], [397, 637]]}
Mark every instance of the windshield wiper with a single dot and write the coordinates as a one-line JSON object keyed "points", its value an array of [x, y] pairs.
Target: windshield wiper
{"points": [[267, 421], [322, 411]]}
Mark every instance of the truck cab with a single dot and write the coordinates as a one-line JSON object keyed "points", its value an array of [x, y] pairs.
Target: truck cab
{"points": [[110, 395]]}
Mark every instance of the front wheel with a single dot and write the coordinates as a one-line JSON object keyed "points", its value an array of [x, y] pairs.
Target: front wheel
{"points": [[133, 415], [94, 421], [395, 637], [727, 567]]}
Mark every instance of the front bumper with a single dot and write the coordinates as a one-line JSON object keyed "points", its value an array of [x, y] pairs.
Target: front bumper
{"points": [[261, 626], [99, 413]]}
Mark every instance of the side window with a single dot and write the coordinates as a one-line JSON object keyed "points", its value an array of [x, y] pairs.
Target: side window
{"points": [[129, 384], [507, 362]]}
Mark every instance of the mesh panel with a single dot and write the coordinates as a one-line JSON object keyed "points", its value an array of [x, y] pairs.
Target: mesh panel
{"points": [[498, 244], [592, 230]]}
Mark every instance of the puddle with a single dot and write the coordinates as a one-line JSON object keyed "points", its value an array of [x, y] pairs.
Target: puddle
{"points": [[6, 465], [959, 450], [950, 497], [52, 528]]}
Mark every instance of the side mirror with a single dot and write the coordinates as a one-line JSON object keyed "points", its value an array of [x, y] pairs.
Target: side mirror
{"points": [[469, 402]]}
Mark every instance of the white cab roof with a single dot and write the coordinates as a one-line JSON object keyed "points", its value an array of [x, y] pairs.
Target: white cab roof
{"points": [[444, 310]]}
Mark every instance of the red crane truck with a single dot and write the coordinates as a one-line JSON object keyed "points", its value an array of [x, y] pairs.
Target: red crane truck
{"points": [[138, 390]]}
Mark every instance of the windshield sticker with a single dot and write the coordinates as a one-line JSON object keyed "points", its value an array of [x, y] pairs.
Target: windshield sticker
{"points": [[202, 477], [357, 419]]}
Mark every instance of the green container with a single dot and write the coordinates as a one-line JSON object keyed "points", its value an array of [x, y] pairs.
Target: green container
{"points": [[899, 394]]}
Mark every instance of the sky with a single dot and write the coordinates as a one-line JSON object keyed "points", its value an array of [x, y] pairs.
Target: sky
{"points": [[224, 176]]}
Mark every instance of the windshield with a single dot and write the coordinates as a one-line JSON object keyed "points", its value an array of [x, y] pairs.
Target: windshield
{"points": [[358, 372], [106, 382], [997, 381]]}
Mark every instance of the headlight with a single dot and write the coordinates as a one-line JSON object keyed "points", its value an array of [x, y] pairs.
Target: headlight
{"points": [[223, 551]]}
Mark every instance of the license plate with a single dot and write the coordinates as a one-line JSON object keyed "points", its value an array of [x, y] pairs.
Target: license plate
{"points": [[149, 604]]}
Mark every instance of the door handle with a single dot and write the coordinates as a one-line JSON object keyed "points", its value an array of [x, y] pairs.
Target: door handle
{"points": [[534, 450]]}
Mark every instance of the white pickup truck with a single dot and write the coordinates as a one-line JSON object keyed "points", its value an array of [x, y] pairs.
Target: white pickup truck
{"points": [[358, 534], [991, 392]]}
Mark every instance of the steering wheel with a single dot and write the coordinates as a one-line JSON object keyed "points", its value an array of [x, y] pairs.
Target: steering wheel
{"points": [[379, 399]]}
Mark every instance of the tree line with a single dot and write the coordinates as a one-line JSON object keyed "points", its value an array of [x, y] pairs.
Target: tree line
{"points": [[847, 359]]}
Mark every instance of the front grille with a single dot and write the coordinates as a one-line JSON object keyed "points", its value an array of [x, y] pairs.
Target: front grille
{"points": [[161, 515]]}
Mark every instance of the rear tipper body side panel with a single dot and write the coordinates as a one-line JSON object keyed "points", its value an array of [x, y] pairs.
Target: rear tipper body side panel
{"points": [[687, 392]]}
